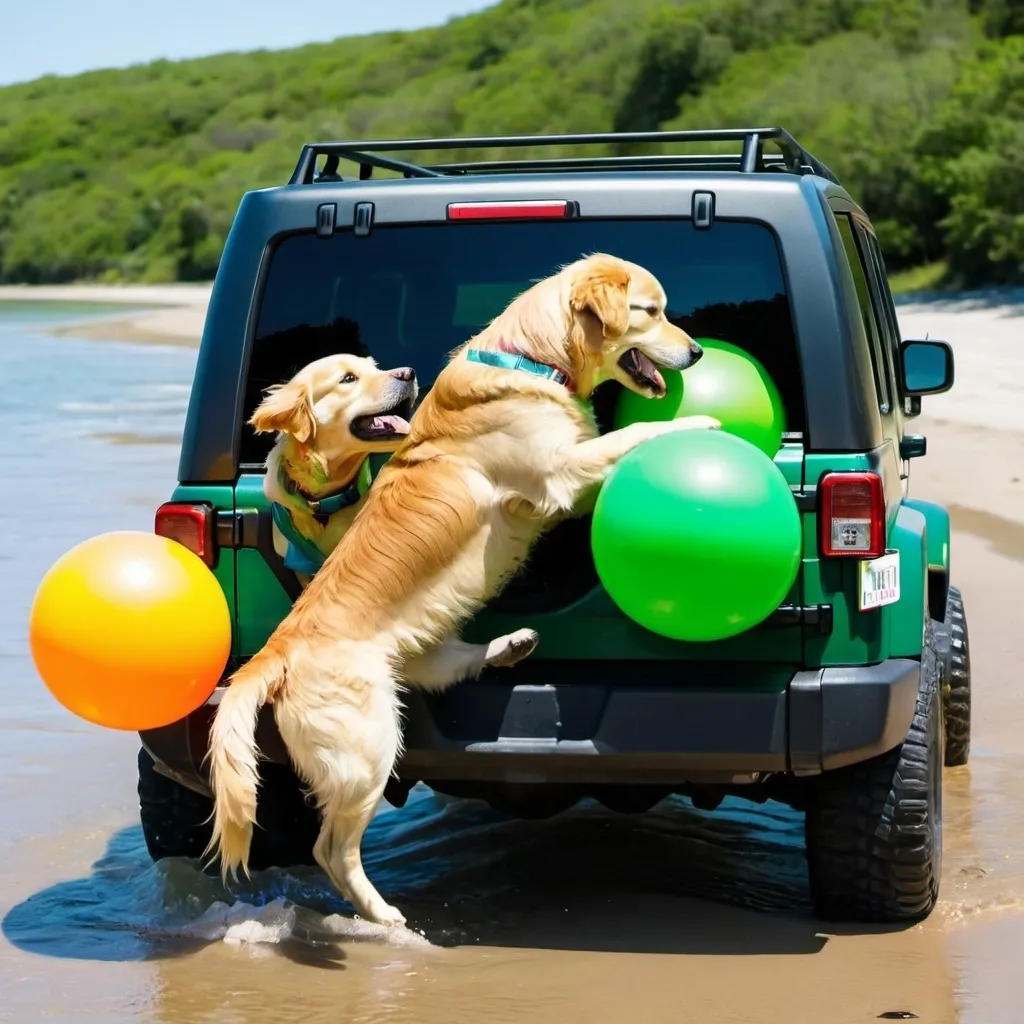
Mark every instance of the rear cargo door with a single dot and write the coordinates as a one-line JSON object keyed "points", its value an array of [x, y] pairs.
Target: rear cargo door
{"points": [[409, 294]]}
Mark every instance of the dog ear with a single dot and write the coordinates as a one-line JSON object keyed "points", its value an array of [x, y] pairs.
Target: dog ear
{"points": [[287, 408], [601, 293]]}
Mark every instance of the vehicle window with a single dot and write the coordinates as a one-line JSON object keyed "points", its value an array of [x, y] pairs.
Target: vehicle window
{"points": [[859, 267], [892, 324], [409, 295]]}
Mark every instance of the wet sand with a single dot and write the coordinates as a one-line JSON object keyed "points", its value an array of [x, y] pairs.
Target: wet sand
{"points": [[670, 916]]}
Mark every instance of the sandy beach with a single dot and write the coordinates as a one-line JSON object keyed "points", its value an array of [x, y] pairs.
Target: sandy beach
{"points": [[161, 314]]}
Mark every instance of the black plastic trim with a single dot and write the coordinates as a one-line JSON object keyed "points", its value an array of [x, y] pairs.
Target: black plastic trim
{"points": [[599, 726], [913, 446], [362, 220], [326, 216], [702, 212]]}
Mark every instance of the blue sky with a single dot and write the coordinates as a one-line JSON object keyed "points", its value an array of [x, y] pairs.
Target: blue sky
{"points": [[63, 37]]}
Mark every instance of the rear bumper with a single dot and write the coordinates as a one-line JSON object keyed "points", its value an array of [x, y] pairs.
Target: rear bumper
{"points": [[621, 729]]}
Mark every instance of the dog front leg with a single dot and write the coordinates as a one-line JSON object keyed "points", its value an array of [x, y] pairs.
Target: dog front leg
{"points": [[590, 460], [456, 660]]}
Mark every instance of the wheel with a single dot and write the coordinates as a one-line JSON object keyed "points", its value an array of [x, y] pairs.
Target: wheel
{"points": [[874, 830], [175, 820], [957, 692]]}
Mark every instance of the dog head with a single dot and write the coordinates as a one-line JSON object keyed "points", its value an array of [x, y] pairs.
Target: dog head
{"points": [[341, 404], [619, 329]]}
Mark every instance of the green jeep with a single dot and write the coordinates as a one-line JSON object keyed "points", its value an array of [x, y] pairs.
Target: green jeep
{"points": [[845, 703]]}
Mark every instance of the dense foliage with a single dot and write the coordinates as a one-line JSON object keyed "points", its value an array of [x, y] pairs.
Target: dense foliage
{"points": [[917, 105]]}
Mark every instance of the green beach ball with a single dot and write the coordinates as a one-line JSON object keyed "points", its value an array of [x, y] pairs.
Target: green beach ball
{"points": [[726, 383], [696, 535]]}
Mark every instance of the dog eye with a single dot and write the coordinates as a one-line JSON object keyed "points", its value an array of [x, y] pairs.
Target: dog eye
{"points": [[651, 311], [349, 378]]}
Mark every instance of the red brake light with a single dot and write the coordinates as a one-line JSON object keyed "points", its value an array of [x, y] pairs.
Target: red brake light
{"points": [[512, 210], [190, 525], [851, 515]]}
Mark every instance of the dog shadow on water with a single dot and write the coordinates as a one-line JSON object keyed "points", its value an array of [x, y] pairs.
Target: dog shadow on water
{"points": [[673, 880]]}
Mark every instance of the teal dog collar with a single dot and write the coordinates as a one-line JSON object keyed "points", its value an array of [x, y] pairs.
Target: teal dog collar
{"points": [[516, 361]]}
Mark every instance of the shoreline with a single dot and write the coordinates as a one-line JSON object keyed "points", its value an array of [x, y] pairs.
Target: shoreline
{"points": [[164, 314], [988, 321]]}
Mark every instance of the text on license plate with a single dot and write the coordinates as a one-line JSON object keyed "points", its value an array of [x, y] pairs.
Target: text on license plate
{"points": [[880, 581]]}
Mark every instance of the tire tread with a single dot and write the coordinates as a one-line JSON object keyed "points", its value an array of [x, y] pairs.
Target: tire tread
{"points": [[873, 852]]}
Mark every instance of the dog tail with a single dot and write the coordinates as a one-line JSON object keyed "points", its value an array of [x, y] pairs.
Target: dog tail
{"points": [[234, 774]]}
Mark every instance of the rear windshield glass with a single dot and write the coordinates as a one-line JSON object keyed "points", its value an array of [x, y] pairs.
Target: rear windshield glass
{"points": [[409, 295]]}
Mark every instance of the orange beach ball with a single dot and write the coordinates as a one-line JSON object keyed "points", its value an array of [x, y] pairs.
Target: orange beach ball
{"points": [[130, 630]]}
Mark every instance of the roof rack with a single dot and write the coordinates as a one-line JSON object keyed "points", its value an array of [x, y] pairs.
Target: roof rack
{"points": [[791, 158]]}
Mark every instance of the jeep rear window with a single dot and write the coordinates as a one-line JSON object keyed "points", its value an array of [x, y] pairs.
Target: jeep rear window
{"points": [[408, 295]]}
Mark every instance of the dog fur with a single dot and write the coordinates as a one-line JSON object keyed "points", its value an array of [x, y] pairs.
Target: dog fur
{"points": [[494, 456], [321, 450], [318, 448]]}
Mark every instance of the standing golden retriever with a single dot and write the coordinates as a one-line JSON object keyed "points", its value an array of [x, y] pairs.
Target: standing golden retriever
{"points": [[329, 418], [501, 448]]}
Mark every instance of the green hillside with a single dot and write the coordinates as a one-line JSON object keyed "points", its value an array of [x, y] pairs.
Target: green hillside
{"points": [[918, 106]]}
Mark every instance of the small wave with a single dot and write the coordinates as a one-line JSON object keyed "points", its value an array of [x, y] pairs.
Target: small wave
{"points": [[132, 909], [163, 389], [117, 407], [276, 922]]}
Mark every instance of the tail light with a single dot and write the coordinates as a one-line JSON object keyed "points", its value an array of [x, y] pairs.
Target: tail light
{"points": [[851, 515], [190, 525], [557, 209]]}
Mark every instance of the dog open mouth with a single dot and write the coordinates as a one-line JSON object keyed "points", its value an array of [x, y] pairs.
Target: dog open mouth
{"points": [[642, 371], [386, 425]]}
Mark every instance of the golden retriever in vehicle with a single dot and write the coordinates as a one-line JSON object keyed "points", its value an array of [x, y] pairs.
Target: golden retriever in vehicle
{"points": [[329, 418], [500, 449]]}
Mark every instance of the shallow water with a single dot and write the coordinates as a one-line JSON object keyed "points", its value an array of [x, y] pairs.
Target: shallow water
{"points": [[672, 915]]}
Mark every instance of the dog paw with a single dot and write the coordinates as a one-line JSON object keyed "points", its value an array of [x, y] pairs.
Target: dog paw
{"points": [[509, 650], [699, 423], [389, 916]]}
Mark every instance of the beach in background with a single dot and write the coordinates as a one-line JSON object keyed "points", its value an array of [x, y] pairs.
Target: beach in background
{"points": [[671, 915], [160, 314]]}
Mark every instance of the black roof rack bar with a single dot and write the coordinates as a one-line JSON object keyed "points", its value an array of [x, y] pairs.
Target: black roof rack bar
{"points": [[367, 161], [683, 161], [751, 156], [367, 154]]}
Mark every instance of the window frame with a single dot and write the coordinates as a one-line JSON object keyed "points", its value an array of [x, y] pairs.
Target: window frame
{"points": [[895, 336], [867, 308]]}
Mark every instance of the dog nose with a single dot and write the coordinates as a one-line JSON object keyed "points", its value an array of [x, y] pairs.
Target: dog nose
{"points": [[406, 373], [695, 352]]}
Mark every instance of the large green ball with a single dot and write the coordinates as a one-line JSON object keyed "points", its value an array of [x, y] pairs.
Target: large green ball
{"points": [[726, 383], [696, 535]]}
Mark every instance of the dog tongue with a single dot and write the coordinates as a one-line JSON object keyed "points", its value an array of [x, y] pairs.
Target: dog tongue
{"points": [[389, 424], [646, 367]]}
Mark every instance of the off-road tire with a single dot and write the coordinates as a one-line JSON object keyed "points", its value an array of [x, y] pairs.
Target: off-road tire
{"points": [[874, 830], [176, 820], [957, 693]]}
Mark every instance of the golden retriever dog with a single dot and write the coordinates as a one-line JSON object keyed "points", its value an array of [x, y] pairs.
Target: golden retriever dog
{"points": [[500, 449], [329, 418]]}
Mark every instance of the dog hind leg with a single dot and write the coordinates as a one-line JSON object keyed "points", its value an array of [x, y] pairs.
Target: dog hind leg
{"points": [[343, 736], [337, 851]]}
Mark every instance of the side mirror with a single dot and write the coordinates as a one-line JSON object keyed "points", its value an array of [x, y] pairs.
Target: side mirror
{"points": [[927, 367]]}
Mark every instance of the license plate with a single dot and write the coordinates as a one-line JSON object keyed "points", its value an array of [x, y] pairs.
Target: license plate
{"points": [[880, 581]]}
